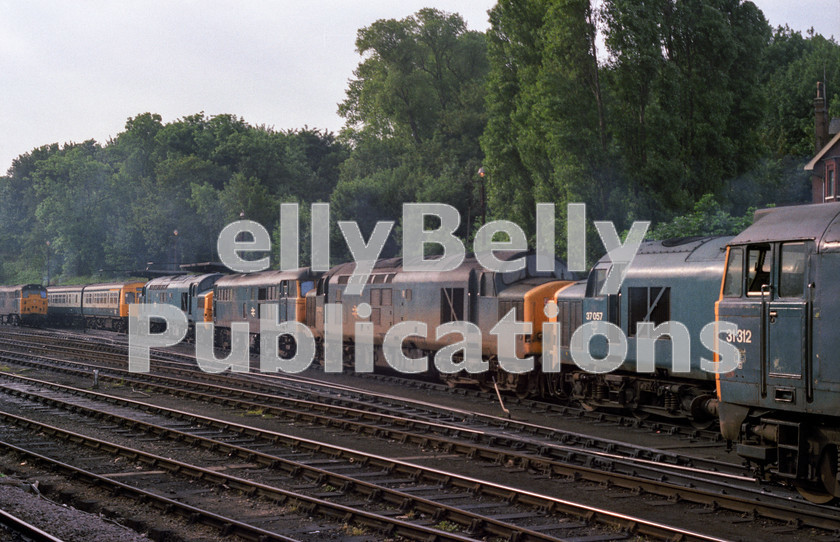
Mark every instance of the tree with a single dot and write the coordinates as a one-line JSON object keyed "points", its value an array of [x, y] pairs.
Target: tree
{"points": [[74, 199], [673, 110], [706, 218], [415, 110]]}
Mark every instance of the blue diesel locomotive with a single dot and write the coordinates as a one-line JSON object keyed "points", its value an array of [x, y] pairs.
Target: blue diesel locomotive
{"points": [[782, 402], [676, 280]]}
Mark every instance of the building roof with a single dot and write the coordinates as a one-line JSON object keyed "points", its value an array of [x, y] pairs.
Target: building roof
{"points": [[810, 166]]}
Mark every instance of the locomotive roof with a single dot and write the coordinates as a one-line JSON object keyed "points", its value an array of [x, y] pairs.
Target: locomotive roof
{"points": [[19, 287], [180, 280], [112, 285], [395, 265], [573, 291], [820, 222], [681, 249], [260, 278]]}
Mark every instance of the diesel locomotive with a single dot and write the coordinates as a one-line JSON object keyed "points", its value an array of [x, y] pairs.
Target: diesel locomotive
{"points": [[781, 404], [677, 281], [468, 293], [193, 294], [24, 304]]}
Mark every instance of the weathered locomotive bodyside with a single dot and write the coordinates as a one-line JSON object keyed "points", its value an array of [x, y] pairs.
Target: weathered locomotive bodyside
{"points": [[24, 304], [569, 302], [781, 403], [237, 298], [186, 292], [676, 280], [468, 293]]}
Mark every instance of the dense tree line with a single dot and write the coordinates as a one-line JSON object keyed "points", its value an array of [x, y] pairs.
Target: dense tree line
{"points": [[694, 109], [112, 209]]}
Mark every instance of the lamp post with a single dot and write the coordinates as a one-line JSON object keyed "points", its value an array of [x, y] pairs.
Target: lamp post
{"points": [[48, 263], [175, 250], [481, 175]]}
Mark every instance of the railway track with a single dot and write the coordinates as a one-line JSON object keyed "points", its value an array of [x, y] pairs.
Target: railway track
{"points": [[604, 462], [118, 345], [17, 528], [334, 472]]}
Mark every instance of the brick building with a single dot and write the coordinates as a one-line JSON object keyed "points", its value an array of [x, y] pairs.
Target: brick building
{"points": [[825, 165]]}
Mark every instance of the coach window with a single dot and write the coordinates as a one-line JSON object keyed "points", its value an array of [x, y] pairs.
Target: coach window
{"points": [[732, 283], [759, 264], [792, 270]]}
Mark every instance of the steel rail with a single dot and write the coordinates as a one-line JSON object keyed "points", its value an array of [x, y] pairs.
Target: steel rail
{"points": [[405, 501]]}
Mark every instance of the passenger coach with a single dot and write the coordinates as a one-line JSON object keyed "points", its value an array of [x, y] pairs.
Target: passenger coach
{"points": [[98, 306]]}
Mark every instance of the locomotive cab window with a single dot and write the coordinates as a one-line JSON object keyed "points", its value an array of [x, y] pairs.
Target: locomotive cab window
{"points": [[759, 266], [595, 281], [792, 259], [305, 286], [732, 284]]}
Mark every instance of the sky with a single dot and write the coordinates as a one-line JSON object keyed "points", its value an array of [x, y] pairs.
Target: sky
{"points": [[72, 71]]}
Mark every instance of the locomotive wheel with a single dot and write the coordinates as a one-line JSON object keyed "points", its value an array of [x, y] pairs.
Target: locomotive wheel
{"points": [[828, 470], [703, 424], [814, 493], [826, 489], [587, 407]]}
